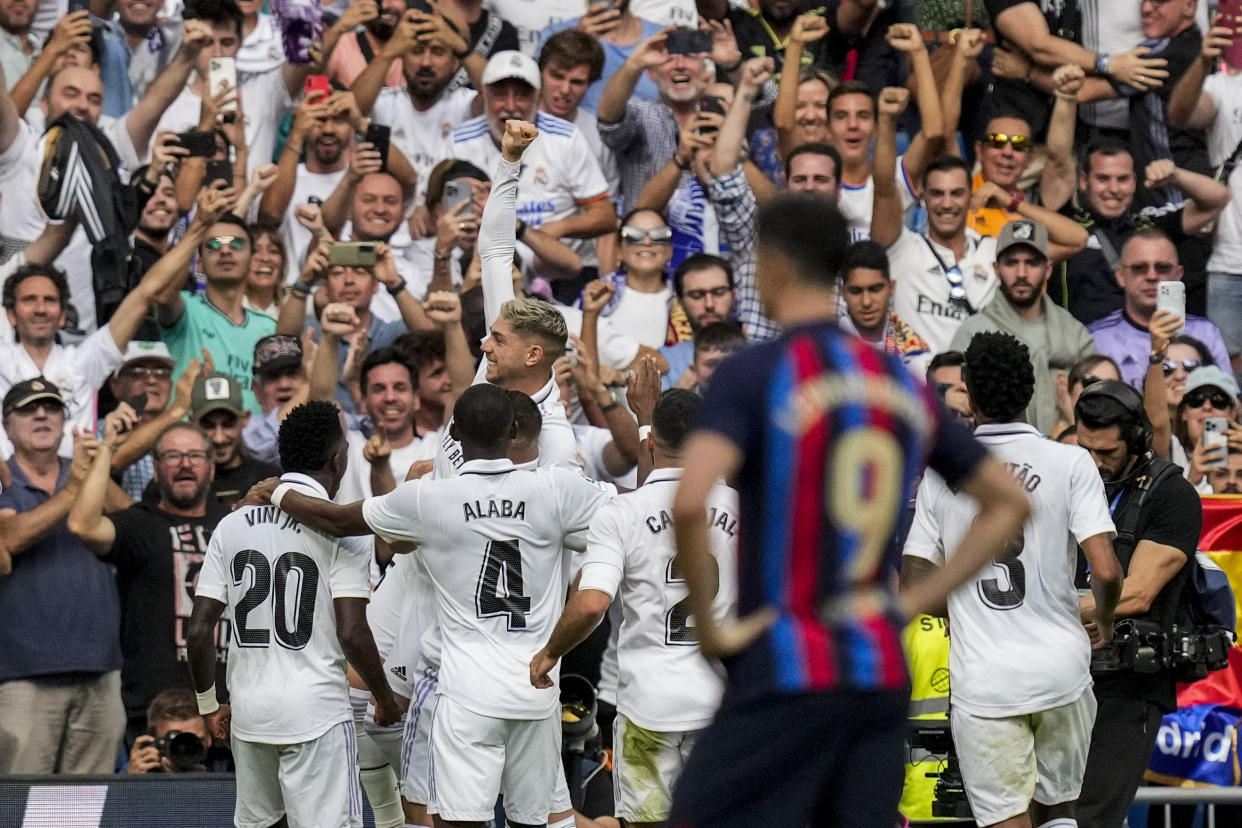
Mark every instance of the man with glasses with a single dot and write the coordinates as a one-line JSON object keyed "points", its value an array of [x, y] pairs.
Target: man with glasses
{"points": [[216, 319], [157, 549], [1107, 185], [60, 659], [1147, 259], [279, 384], [948, 273], [145, 378], [704, 287]]}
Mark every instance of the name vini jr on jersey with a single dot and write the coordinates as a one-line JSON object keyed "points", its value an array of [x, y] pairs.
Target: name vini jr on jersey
{"points": [[474, 510], [716, 519]]}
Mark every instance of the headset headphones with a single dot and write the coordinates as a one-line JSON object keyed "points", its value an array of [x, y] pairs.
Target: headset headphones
{"points": [[1137, 433]]}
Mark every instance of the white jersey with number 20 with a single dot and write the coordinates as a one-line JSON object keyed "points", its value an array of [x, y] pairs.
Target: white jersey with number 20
{"points": [[279, 577]]}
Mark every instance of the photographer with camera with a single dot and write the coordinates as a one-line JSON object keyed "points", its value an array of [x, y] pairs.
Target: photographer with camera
{"points": [[1158, 518], [177, 739]]}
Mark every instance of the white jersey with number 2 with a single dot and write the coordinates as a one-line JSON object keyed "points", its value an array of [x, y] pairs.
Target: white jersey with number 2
{"points": [[278, 578]]}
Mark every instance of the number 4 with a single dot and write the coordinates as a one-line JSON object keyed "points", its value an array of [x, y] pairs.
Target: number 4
{"points": [[502, 563]]}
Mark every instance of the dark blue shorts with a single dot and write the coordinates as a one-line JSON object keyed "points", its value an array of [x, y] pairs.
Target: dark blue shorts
{"points": [[831, 759]]}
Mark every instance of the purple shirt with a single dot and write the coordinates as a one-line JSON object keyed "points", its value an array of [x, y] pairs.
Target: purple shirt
{"points": [[1127, 342]]}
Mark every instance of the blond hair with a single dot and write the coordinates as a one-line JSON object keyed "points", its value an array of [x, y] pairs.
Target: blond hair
{"points": [[533, 318]]}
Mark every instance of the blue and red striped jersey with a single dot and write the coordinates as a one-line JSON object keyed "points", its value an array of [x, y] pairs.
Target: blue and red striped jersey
{"points": [[834, 435]]}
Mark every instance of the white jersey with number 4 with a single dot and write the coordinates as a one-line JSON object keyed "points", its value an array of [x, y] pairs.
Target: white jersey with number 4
{"points": [[664, 683], [278, 578], [1018, 645], [491, 539]]}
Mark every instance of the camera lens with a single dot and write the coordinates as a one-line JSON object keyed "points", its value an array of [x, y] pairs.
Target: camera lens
{"points": [[186, 751]]}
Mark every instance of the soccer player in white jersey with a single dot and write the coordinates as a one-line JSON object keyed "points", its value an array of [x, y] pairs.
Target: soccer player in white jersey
{"points": [[666, 691], [1019, 659], [491, 539], [298, 603], [525, 336]]}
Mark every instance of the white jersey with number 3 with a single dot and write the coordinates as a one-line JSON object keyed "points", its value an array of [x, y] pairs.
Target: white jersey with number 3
{"points": [[664, 683], [491, 540], [1017, 643], [279, 577]]}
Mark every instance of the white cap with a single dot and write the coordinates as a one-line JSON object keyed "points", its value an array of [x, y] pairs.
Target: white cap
{"points": [[157, 350], [511, 64]]}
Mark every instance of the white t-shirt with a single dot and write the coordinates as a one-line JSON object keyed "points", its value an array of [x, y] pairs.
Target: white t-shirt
{"points": [[559, 172], [286, 672], [492, 542], [617, 349], [1018, 645], [356, 485], [856, 203], [297, 238], [530, 17], [643, 316], [422, 137], [263, 49], [78, 371], [921, 295], [591, 443], [264, 102], [1223, 136], [664, 683], [666, 12]]}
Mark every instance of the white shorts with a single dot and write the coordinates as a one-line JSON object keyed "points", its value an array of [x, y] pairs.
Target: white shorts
{"points": [[475, 758], [416, 740], [646, 764], [1007, 763], [315, 782]]}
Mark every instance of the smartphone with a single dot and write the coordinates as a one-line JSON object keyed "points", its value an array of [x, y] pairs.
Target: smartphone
{"points": [[138, 402], [456, 191], [221, 75], [689, 42], [318, 86], [219, 171], [419, 5], [377, 135], [200, 142], [1214, 435], [352, 254], [79, 5], [1231, 16], [1172, 296], [713, 104]]}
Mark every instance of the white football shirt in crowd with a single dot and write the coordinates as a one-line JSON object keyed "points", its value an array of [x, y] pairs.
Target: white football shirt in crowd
{"points": [[1018, 645], [664, 683], [279, 578], [423, 136], [356, 484], [856, 203]]}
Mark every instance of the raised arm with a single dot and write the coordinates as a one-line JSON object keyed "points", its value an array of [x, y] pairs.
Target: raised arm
{"points": [[19, 530], [620, 87], [1207, 196], [931, 136], [886, 212], [444, 309], [71, 30], [728, 149], [498, 228], [366, 87], [276, 200], [808, 28], [140, 441], [161, 285], [412, 313], [1056, 185], [1189, 106], [966, 50], [141, 120], [1066, 237], [87, 520]]}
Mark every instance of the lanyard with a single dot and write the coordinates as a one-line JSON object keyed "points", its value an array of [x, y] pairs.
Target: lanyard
{"points": [[1112, 507]]}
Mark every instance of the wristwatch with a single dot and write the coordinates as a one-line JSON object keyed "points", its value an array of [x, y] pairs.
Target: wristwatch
{"points": [[1101, 63], [1157, 356]]}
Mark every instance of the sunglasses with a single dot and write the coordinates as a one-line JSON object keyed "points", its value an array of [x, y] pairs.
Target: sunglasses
{"points": [[1217, 398], [997, 140], [234, 242], [957, 289], [1141, 268], [1187, 365], [716, 293], [48, 406], [638, 235], [146, 372]]}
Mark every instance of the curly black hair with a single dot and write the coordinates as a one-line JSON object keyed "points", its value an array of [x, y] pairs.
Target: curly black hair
{"points": [[310, 436], [673, 418], [999, 375]]}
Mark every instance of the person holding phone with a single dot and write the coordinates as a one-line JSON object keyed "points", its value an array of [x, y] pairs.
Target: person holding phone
{"points": [[1206, 421], [1207, 97]]}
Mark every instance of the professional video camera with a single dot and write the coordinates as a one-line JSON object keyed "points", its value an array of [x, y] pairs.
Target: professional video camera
{"points": [[936, 737], [1144, 647]]}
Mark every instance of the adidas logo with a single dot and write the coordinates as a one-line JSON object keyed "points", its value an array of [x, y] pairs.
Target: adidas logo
{"points": [[399, 672]]}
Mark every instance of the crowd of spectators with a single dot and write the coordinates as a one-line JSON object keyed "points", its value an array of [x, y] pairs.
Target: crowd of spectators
{"points": [[1039, 169]]}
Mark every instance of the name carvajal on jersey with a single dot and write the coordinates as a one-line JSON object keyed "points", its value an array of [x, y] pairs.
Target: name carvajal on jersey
{"points": [[716, 519]]}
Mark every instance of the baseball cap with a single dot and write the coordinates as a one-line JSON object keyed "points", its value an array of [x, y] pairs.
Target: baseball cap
{"points": [[511, 64], [272, 353], [28, 391], [1023, 231], [156, 350], [216, 392], [1212, 377]]}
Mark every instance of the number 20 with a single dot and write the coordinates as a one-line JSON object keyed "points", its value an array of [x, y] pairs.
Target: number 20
{"points": [[261, 585]]}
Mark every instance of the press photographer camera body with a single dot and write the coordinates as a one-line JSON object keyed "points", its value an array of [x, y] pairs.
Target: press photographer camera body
{"points": [[178, 739]]}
